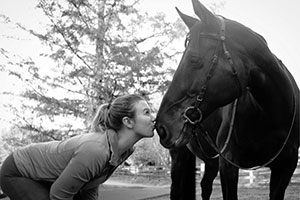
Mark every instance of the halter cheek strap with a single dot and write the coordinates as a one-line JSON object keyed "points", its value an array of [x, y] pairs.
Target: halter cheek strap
{"points": [[195, 108]]}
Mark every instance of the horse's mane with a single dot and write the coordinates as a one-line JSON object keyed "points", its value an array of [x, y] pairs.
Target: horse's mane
{"points": [[260, 37], [255, 34]]}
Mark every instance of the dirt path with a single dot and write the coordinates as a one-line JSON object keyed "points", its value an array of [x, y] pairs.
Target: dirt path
{"points": [[118, 190], [244, 193]]}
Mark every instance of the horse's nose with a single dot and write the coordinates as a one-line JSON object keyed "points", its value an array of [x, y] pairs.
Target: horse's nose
{"points": [[164, 136], [160, 130]]}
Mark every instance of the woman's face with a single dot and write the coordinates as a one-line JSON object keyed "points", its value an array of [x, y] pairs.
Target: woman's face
{"points": [[144, 120]]}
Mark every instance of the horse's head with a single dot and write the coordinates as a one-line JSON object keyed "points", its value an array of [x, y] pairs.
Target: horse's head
{"points": [[205, 79]]}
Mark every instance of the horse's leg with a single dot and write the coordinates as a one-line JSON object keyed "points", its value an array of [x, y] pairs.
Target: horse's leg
{"points": [[210, 173], [281, 175], [229, 176], [183, 185]]}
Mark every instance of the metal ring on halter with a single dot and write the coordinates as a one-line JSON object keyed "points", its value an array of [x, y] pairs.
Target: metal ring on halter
{"points": [[187, 119]]}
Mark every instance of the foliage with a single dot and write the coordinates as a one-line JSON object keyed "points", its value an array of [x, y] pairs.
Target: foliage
{"points": [[95, 50], [98, 50], [4, 152], [150, 152]]}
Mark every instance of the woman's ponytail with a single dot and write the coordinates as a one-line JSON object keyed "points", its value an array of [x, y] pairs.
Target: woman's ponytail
{"points": [[101, 119]]}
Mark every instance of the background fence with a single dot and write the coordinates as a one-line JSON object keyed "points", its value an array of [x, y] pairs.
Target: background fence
{"points": [[247, 178], [256, 178], [253, 178]]}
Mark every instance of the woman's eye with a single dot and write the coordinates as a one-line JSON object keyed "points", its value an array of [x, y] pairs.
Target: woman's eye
{"points": [[147, 112]]}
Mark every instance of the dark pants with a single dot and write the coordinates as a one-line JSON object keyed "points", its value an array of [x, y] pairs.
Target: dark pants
{"points": [[17, 187]]}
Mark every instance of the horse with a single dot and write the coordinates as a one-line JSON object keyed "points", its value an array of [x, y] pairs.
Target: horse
{"points": [[229, 69], [183, 166], [183, 174]]}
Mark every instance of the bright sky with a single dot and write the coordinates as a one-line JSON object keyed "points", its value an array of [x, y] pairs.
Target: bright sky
{"points": [[277, 21]]}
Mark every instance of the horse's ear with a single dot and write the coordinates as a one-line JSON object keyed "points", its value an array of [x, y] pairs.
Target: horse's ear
{"points": [[188, 20], [203, 13]]}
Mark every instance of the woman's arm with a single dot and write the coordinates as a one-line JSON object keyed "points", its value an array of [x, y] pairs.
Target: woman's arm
{"points": [[90, 194], [83, 167]]}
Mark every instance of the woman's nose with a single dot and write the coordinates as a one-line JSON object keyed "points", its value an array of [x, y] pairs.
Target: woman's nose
{"points": [[153, 118]]}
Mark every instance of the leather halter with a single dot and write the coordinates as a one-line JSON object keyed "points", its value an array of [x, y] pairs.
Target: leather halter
{"points": [[195, 108], [197, 126]]}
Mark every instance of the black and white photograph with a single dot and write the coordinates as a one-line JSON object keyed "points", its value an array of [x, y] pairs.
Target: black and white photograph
{"points": [[149, 100]]}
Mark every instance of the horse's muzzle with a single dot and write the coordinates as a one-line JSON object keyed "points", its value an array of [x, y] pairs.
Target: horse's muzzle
{"points": [[164, 136]]}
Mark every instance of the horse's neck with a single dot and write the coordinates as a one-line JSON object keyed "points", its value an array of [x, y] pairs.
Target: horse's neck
{"points": [[271, 86], [270, 77]]}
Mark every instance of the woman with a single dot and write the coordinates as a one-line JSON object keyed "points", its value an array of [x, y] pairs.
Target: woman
{"points": [[74, 168]]}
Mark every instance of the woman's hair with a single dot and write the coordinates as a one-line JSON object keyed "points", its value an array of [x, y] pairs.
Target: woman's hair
{"points": [[109, 116]]}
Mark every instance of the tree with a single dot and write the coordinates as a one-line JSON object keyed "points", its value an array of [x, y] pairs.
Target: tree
{"points": [[150, 151], [96, 50], [99, 50]]}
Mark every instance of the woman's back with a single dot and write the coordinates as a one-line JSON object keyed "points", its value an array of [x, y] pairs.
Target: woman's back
{"points": [[46, 161]]}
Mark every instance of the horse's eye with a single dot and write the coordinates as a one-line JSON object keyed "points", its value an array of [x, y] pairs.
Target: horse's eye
{"points": [[194, 59]]}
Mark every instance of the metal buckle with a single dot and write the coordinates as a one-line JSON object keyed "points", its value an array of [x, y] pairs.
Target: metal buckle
{"points": [[186, 117]]}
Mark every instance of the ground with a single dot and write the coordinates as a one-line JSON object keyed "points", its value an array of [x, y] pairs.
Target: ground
{"points": [[258, 193], [158, 188], [244, 193]]}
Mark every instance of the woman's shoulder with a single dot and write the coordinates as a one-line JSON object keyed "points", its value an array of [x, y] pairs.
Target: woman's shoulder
{"points": [[94, 142]]}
